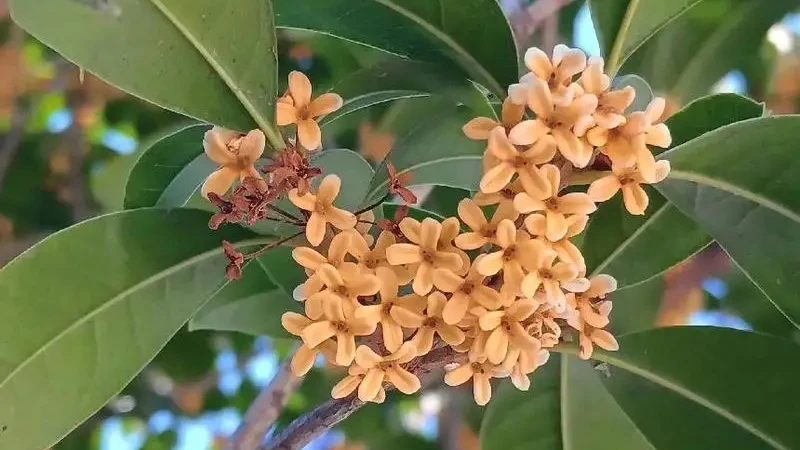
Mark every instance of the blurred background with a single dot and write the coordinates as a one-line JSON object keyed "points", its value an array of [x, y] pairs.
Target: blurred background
{"points": [[67, 140]]}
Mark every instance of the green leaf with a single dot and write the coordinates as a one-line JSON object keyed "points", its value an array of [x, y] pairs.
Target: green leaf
{"points": [[631, 247], [84, 310], [472, 35], [644, 95], [444, 200], [636, 307], [624, 25], [166, 172], [738, 183], [706, 395], [179, 54], [252, 305], [435, 152], [400, 79], [283, 270]]}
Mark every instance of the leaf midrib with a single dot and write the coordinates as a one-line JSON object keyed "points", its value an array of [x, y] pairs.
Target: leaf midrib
{"points": [[272, 134], [121, 297]]}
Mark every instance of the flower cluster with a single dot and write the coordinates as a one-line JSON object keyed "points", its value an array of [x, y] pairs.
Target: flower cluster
{"points": [[495, 288]]}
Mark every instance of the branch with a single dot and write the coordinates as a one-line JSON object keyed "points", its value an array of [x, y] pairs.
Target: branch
{"points": [[265, 410], [324, 417]]}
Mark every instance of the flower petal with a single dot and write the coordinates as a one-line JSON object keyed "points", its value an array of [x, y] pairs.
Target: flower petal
{"points": [[345, 349], [315, 229], [423, 281], [294, 323], [635, 199], [604, 188], [325, 104], [308, 257], [471, 214], [371, 385], [456, 308], [481, 389], [506, 233], [496, 178], [317, 332], [478, 129], [527, 132], [392, 335], [285, 113], [303, 360], [423, 340], [309, 134], [366, 357], [459, 375], [405, 381], [490, 264], [539, 99], [345, 387], [299, 88], [398, 254], [219, 181], [497, 346], [576, 203]]}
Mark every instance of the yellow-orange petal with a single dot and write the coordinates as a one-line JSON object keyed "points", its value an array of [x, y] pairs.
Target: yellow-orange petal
{"points": [[423, 340], [481, 388], [315, 229], [219, 181], [398, 254], [317, 332], [299, 88], [346, 386], [479, 128], [371, 385], [294, 323], [366, 357], [490, 264], [309, 134], [635, 199], [405, 381], [576, 203], [303, 360], [423, 280], [604, 340], [341, 219], [325, 104], [285, 114], [459, 375], [604, 188]]}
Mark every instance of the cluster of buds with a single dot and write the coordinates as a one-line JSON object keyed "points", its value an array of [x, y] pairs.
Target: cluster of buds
{"points": [[497, 287]]}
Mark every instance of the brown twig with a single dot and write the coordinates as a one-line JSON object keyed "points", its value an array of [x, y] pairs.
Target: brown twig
{"points": [[324, 417], [264, 411]]}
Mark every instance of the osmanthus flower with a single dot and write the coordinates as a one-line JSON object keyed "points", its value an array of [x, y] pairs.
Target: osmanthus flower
{"points": [[434, 324], [506, 331], [553, 277], [336, 324], [590, 304], [466, 292], [589, 336], [322, 209], [512, 161], [423, 251], [364, 224], [380, 369], [511, 114], [370, 260], [451, 228], [483, 231], [514, 247], [502, 197], [524, 363], [393, 312], [305, 356], [555, 207], [566, 123], [342, 287], [557, 73], [536, 224], [626, 146], [611, 104], [348, 384], [630, 181], [480, 370], [235, 153], [310, 259], [298, 108], [542, 325]]}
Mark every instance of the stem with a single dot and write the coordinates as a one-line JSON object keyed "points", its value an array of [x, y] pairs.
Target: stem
{"points": [[616, 51], [265, 410], [374, 205], [296, 220], [269, 247]]}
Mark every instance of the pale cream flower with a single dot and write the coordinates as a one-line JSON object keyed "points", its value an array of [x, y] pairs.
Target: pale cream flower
{"points": [[451, 228], [467, 291], [556, 207], [235, 153], [311, 260], [565, 123], [629, 181], [322, 209], [380, 369], [536, 224], [591, 305], [483, 231], [543, 327], [305, 356], [501, 197], [370, 260], [348, 384], [342, 288], [343, 328], [557, 73], [512, 161], [393, 312], [590, 336], [543, 271], [479, 128], [480, 371], [423, 250], [506, 330], [515, 246], [611, 105], [524, 364], [298, 108], [435, 324]]}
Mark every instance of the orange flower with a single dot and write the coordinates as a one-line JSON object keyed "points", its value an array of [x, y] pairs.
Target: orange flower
{"points": [[342, 288], [552, 277], [478, 129], [311, 260], [566, 123], [466, 292], [304, 357], [393, 312], [536, 224], [483, 231], [514, 162], [506, 330], [370, 260], [591, 305], [236, 153], [611, 105], [501, 197], [348, 384], [526, 362], [344, 329], [480, 371], [435, 324], [380, 369], [322, 210], [423, 250], [298, 108], [514, 247], [557, 72], [629, 181], [556, 207]]}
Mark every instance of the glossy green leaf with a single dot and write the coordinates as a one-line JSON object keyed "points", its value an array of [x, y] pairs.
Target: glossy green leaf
{"points": [[472, 35], [738, 183], [636, 307], [664, 376], [692, 53], [178, 54], [252, 305], [624, 25], [166, 172], [85, 309], [631, 247], [436, 152]]}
